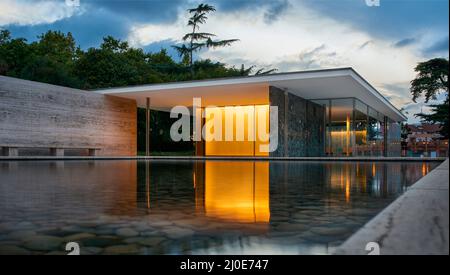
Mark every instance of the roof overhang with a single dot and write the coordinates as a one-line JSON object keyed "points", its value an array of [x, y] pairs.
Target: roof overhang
{"points": [[318, 84]]}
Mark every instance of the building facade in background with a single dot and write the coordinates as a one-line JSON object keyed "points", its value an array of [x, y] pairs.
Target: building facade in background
{"points": [[425, 140]]}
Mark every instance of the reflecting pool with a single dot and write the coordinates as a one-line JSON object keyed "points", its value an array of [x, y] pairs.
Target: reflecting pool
{"points": [[193, 207]]}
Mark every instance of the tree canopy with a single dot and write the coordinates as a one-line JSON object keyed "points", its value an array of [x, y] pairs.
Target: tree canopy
{"points": [[195, 40], [55, 58], [432, 79]]}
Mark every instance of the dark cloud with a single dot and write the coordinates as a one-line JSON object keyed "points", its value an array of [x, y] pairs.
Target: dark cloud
{"points": [[392, 19], [140, 10], [88, 28], [235, 5], [274, 7], [274, 10], [438, 48], [404, 42]]}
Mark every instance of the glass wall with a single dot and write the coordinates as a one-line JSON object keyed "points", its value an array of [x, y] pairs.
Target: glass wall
{"points": [[394, 147], [355, 129], [341, 128], [361, 124], [375, 133]]}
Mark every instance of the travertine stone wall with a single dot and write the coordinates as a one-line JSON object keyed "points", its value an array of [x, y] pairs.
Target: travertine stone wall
{"points": [[300, 125], [36, 114]]}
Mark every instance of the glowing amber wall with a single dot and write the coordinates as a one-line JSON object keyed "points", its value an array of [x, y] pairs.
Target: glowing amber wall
{"points": [[242, 137], [237, 191]]}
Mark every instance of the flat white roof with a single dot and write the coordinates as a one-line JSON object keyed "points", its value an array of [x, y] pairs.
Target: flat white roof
{"points": [[315, 84]]}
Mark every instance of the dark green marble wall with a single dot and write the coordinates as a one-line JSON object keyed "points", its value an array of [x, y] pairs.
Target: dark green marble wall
{"points": [[300, 125]]}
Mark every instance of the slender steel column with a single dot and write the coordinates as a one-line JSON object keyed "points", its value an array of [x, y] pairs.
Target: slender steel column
{"points": [[286, 124], [330, 139], [147, 127], [385, 136], [353, 130]]}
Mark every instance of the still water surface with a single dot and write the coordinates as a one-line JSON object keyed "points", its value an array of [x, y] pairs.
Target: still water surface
{"points": [[193, 207]]}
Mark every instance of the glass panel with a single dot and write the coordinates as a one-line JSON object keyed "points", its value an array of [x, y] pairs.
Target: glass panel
{"points": [[394, 139], [360, 106], [342, 135], [374, 134], [361, 122]]}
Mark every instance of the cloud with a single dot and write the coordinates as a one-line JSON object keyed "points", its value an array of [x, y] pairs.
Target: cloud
{"points": [[28, 12], [88, 28], [400, 95], [405, 42], [392, 19], [141, 10], [439, 47], [275, 10], [365, 44]]}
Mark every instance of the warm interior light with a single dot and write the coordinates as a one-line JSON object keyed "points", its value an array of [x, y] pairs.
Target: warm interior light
{"points": [[237, 191], [243, 137], [347, 145]]}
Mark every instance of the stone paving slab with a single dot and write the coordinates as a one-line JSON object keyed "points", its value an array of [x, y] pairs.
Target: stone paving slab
{"points": [[416, 223]]}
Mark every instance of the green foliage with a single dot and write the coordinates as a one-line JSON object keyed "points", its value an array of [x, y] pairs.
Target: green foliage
{"points": [[432, 79], [439, 115], [115, 64], [15, 54]]}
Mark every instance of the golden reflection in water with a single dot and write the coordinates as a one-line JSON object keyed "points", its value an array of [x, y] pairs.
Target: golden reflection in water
{"points": [[425, 169], [237, 191], [347, 186]]}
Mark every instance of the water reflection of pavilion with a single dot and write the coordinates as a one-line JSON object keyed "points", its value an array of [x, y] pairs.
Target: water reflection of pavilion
{"points": [[241, 191]]}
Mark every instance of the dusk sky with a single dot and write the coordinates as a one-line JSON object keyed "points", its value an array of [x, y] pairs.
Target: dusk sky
{"points": [[382, 43]]}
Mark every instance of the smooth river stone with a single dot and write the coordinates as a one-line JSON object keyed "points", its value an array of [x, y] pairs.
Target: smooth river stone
{"points": [[330, 231], [176, 232], [90, 250], [24, 225], [43, 243], [13, 250], [100, 241], [159, 223], [293, 227], [21, 234], [78, 236], [152, 241], [122, 249], [127, 232]]}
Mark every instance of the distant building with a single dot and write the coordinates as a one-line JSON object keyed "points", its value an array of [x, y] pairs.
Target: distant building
{"points": [[425, 140]]}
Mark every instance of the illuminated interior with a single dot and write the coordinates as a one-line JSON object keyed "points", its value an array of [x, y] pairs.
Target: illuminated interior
{"points": [[237, 191], [234, 131]]}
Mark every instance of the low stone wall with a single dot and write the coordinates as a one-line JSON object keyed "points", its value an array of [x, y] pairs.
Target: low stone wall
{"points": [[416, 223], [39, 115], [300, 125]]}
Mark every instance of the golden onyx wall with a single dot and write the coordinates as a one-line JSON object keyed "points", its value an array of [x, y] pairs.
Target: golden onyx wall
{"points": [[36, 114], [236, 130]]}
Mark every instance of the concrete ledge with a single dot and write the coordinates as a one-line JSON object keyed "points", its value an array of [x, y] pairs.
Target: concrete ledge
{"points": [[3, 158], [416, 223]]}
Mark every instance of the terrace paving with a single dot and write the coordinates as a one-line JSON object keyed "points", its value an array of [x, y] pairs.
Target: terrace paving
{"points": [[415, 223]]}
